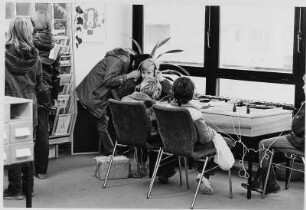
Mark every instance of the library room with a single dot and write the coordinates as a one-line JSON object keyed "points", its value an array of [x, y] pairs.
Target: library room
{"points": [[142, 104]]}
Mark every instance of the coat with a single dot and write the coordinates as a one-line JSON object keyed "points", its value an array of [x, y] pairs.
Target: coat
{"points": [[43, 41], [23, 76], [109, 73]]}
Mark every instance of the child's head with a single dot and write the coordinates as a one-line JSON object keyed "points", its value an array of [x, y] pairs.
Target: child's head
{"points": [[147, 68], [151, 87], [41, 20], [183, 90], [20, 34]]}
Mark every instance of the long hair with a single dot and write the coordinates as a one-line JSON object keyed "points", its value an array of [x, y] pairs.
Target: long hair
{"points": [[20, 34], [41, 20]]}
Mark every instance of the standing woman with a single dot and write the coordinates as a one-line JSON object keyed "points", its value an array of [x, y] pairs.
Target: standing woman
{"points": [[23, 79], [43, 41]]}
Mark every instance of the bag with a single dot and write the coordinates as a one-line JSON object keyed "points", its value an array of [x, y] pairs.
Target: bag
{"points": [[224, 157]]}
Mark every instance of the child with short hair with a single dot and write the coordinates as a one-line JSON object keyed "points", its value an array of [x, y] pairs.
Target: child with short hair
{"points": [[148, 69], [183, 91]]}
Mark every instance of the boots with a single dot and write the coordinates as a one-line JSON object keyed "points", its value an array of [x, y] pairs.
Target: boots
{"points": [[272, 185], [256, 181], [259, 181]]}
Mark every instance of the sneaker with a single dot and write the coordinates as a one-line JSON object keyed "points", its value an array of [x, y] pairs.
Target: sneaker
{"points": [[8, 195], [205, 186], [41, 176]]}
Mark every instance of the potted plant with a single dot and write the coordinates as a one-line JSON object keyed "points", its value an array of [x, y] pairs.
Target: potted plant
{"points": [[178, 70]]}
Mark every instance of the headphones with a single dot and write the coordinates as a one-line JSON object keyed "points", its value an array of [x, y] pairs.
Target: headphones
{"points": [[151, 61]]}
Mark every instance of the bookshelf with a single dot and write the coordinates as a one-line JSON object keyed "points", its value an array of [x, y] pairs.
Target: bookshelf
{"points": [[63, 116]]}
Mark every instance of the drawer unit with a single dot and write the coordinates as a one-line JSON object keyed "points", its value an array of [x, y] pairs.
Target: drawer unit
{"points": [[6, 133], [21, 131], [6, 155], [21, 152]]}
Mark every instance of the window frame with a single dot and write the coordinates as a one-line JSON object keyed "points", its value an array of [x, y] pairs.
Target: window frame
{"points": [[211, 69]]}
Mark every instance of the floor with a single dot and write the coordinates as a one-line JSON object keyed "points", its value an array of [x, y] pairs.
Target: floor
{"points": [[71, 184]]}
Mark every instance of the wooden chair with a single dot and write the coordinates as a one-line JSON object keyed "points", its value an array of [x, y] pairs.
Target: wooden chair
{"points": [[133, 127], [178, 133], [292, 155]]}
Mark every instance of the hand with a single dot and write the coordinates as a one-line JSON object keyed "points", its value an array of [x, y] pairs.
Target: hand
{"points": [[159, 76], [133, 75]]}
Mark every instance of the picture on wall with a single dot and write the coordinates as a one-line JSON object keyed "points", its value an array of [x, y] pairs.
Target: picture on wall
{"points": [[92, 24]]}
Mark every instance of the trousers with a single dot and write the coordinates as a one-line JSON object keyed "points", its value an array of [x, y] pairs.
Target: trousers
{"points": [[41, 148]]}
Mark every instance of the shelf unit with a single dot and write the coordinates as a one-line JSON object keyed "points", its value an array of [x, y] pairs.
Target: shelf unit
{"points": [[64, 115], [18, 130]]}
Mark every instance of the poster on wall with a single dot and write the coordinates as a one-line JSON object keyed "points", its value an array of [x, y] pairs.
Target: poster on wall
{"points": [[90, 22]]}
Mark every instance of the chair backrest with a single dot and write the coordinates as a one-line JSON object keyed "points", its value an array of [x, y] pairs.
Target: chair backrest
{"points": [[131, 122], [176, 128]]}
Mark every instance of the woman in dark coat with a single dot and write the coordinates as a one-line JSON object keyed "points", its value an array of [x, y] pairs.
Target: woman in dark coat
{"points": [[43, 41], [23, 79]]}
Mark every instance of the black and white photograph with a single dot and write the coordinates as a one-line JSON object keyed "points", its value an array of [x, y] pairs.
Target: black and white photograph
{"points": [[151, 104]]}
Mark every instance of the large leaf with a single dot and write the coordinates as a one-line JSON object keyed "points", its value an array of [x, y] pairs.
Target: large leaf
{"points": [[159, 44], [169, 51], [137, 45], [182, 70]]}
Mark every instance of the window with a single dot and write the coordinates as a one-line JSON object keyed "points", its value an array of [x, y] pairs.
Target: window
{"points": [[174, 21], [270, 92], [257, 41]]}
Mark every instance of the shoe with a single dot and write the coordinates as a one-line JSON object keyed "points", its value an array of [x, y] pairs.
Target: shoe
{"points": [[163, 180], [41, 176], [205, 186], [32, 194], [8, 195]]}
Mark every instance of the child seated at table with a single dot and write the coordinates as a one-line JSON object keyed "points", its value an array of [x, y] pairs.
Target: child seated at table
{"points": [[183, 91], [150, 90]]}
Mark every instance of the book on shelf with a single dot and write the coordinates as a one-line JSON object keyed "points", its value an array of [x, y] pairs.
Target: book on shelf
{"points": [[62, 125], [64, 78], [65, 69]]}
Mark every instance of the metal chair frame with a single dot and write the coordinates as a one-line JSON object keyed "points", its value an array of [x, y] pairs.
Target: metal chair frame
{"points": [[289, 168], [204, 159]]}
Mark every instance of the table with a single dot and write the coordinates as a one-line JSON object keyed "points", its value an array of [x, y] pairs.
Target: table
{"points": [[258, 122]]}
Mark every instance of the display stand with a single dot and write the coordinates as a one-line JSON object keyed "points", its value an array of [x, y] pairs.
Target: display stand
{"points": [[62, 118]]}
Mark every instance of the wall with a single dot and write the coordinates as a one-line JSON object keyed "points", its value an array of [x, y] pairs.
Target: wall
{"points": [[118, 21]]}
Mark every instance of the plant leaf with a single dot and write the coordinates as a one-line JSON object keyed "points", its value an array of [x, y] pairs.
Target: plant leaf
{"points": [[184, 71], [159, 44], [169, 51], [137, 45], [154, 49], [132, 51]]}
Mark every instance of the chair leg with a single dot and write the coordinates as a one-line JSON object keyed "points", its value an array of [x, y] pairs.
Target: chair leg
{"points": [[186, 171], [159, 156], [137, 161], [230, 183], [109, 165], [267, 175], [288, 173], [180, 169], [199, 183]]}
